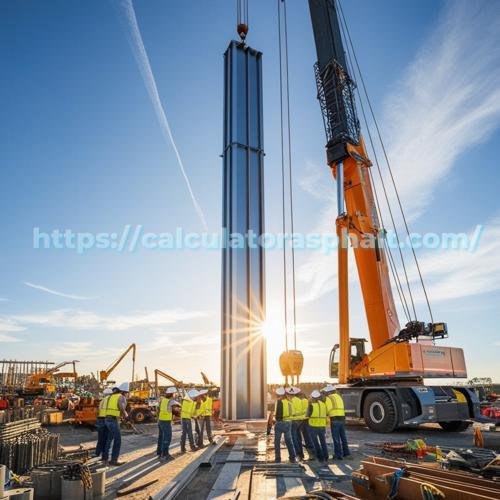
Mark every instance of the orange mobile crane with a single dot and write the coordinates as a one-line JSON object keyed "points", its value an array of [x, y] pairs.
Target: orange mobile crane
{"points": [[384, 386]]}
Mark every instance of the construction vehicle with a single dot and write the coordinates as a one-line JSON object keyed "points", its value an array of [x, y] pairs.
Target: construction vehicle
{"points": [[104, 374], [45, 382], [384, 386], [138, 407]]}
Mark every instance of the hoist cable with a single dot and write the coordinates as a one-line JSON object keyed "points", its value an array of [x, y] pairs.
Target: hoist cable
{"points": [[386, 196], [290, 189], [387, 161], [283, 175]]}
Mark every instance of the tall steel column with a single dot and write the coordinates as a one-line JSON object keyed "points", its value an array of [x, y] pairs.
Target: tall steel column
{"points": [[243, 373]]}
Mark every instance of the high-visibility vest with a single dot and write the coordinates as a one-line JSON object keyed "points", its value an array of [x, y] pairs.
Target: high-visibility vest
{"points": [[112, 409], [102, 407], [188, 408], [165, 413], [297, 409], [305, 405], [287, 410], [318, 414], [206, 406], [337, 405]]}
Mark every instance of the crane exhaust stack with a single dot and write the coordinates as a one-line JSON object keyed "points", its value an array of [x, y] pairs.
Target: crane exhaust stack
{"points": [[243, 356]]}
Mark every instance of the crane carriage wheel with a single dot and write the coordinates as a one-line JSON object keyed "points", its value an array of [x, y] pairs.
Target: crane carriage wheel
{"points": [[379, 412]]}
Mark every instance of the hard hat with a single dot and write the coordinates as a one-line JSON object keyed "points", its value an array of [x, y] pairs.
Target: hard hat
{"points": [[289, 390], [296, 390], [315, 394], [280, 391], [107, 391], [328, 388], [193, 393], [115, 389], [203, 392], [170, 390], [125, 387]]}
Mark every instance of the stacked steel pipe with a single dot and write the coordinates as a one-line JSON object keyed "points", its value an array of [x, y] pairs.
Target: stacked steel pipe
{"points": [[24, 445]]}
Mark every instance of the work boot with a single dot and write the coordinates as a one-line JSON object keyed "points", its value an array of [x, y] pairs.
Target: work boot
{"points": [[293, 460], [183, 450], [116, 463], [194, 448]]}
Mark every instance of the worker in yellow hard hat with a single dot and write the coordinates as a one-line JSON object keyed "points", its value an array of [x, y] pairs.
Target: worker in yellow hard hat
{"points": [[283, 427], [165, 416], [102, 431], [115, 411]]}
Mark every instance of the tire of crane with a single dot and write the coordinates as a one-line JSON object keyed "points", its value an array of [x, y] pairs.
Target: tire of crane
{"points": [[379, 412], [455, 426]]}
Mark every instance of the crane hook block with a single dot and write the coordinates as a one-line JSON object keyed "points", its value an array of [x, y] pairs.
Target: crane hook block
{"points": [[242, 30], [291, 363]]}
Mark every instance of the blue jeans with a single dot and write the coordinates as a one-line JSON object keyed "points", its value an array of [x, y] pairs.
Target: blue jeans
{"points": [[296, 438], [204, 423], [318, 436], [102, 437], [115, 436], [340, 446], [187, 431], [282, 428], [164, 437]]}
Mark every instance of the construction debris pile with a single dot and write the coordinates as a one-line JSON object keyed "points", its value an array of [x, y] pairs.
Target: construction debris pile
{"points": [[24, 445]]}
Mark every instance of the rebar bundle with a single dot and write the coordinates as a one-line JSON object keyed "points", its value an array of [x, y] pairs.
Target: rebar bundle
{"points": [[15, 414], [29, 449]]}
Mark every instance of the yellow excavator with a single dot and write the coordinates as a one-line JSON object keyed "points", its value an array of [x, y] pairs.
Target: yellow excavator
{"points": [[43, 383]]}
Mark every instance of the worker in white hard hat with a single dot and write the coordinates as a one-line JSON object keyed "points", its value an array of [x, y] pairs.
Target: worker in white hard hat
{"points": [[299, 422], [283, 427], [116, 409], [336, 412], [102, 431], [203, 418], [188, 411], [165, 416], [316, 414]]}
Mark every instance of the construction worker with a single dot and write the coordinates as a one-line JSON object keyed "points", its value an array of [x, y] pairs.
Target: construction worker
{"points": [[165, 415], [188, 411], [304, 426], [336, 412], [297, 418], [205, 417], [283, 427], [102, 431], [115, 409], [316, 414]]}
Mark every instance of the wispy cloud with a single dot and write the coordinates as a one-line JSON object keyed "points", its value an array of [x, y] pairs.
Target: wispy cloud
{"points": [[9, 325], [78, 319], [2, 299], [447, 102], [135, 40], [453, 274], [182, 343], [55, 292], [8, 338]]}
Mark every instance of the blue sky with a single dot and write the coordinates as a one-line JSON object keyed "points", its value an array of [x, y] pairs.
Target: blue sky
{"points": [[82, 149]]}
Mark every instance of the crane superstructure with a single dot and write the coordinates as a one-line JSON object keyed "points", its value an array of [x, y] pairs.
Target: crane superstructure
{"points": [[385, 386]]}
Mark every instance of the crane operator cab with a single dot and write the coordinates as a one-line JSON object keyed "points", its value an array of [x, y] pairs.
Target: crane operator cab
{"points": [[357, 353]]}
